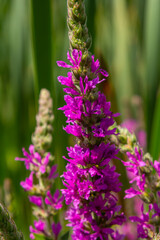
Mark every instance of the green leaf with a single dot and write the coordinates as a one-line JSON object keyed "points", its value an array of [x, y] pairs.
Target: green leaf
{"points": [[65, 236], [155, 143], [121, 59], [91, 11], [152, 52], [41, 19]]}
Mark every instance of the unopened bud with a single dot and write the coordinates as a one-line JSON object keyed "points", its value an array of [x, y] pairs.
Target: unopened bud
{"points": [[122, 138], [147, 158], [146, 169], [42, 137], [147, 197]]}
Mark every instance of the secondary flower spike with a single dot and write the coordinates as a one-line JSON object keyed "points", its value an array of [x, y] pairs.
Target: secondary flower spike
{"points": [[39, 184], [144, 177], [90, 180]]}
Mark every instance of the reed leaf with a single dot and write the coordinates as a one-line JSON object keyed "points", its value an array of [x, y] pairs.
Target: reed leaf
{"points": [[155, 143], [41, 24], [152, 53], [121, 61]]}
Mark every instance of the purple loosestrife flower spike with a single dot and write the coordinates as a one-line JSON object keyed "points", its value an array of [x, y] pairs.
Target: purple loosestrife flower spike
{"points": [[144, 175], [90, 180], [42, 174]]}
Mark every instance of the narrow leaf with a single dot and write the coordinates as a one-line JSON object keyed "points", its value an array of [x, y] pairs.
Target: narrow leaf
{"points": [[155, 143], [152, 52], [41, 20]]}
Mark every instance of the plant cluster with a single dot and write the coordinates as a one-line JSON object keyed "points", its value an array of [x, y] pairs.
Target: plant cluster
{"points": [[91, 182]]}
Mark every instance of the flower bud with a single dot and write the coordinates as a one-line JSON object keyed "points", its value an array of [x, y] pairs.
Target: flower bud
{"points": [[147, 197]]}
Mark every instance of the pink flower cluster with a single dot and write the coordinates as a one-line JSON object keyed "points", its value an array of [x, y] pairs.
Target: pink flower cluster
{"points": [[90, 181], [144, 177], [40, 194]]}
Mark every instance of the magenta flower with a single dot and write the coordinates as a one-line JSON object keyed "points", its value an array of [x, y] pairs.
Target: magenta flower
{"points": [[56, 228], [133, 165], [28, 157], [54, 201], [74, 60], [39, 182], [131, 192], [146, 186], [95, 68], [36, 200], [39, 228], [28, 183], [157, 166], [156, 209], [34, 160], [90, 180], [53, 174], [143, 226]]}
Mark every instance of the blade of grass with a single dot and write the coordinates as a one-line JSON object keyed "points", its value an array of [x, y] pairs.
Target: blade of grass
{"points": [[41, 23], [152, 52], [121, 62], [90, 11], [16, 124], [44, 51], [155, 143], [60, 137]]}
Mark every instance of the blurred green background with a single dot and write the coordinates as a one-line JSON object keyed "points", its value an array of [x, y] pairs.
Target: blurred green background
{"points": [[33, 36]]}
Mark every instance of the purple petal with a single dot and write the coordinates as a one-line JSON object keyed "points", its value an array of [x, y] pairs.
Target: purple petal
{"points": [[71, 91], [52, 172], [39, 225], [70, 58], [130, 193], [46, 160], [56, 228], [66, 80], [31, 149], [36, 200], [63, 64], [103, 72], [28, 183]]}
